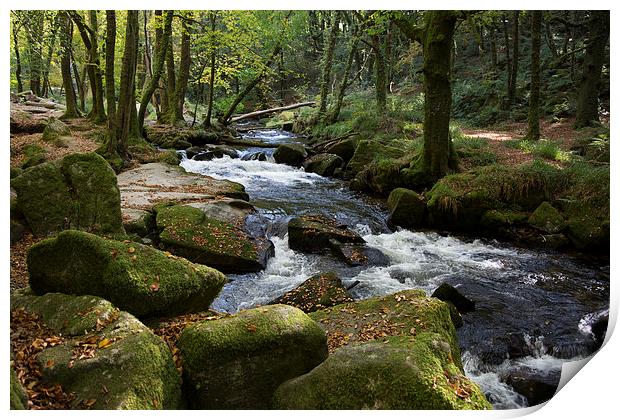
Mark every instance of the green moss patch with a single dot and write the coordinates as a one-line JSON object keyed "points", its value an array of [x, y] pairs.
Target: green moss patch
{"points": [[318, 292]]}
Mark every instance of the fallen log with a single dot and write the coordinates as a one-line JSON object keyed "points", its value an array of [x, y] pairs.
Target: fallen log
{"points": [[271, 110], [48, 105]]}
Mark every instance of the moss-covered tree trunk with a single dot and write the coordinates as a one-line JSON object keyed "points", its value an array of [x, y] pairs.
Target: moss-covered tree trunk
{"points": [[34, 26], [533, 119], [110, 92], [512, 93], [508, 60], [344, 83], [18, 62], [98, 112], [160, 92], [326, 64], [207, 121], [171, 109], [438, 156], [587, 103], [158, 68], [51, 48], [65, 67], [185, 63], [126, 103], [493, 42], [380, 74]]}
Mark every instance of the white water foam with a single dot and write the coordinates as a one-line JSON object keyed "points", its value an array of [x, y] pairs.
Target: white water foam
{"points": [[250, 172]]}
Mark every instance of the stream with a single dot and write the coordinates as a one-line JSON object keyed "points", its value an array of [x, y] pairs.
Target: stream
{"points": [[538, 307]]}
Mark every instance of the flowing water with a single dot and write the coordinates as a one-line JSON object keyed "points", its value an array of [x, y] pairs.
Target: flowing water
{"points": [[536, 306]]}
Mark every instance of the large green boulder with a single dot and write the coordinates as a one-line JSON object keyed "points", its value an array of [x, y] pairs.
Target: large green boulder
{"points": [[191, 233], [406, 373], [407, 208], [55, 130], [137, 278], [323, 164], [238, 362], [312, 233], [318, 292], [368, 151], [18, 399], [547, 218], [79, 192], [343, 148], [290, 154], [106, 358]]}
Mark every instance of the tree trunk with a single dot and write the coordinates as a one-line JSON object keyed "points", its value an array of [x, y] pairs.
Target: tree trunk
{"points": [[18, 63], [184, 67], [508, 60], [344, 83], [587, 103], [380, 75], [226, 118], [110, 92], [127, 90], [207, 122], [326, 65], [34, 37], [160, 93], [98, 108], [45, 89], [533, 120], [438, 156], [65, 67], [549, 38], [158, 68], [79, 83], [493, 47], [171, 116], [512, 93]]}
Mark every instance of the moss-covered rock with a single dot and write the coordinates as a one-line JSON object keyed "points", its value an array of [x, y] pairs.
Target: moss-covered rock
{"points": [[398, 373], [16, 171], [343, 148], [136, 278], [179, 138], [290, 154], [368, 151], [407, 208], [588, 233], [18, 399], [79, 192], [547, 218], [33, 155], [108, 358], [187, 231], [318, 292], [54, 131], [238, 362], [448, 293], [357, 255], [97, 199], [139, 222], [170, 157], [312, 233], [323, 164]]}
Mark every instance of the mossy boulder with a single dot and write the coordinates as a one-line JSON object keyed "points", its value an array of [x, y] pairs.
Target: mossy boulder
{"points": [[170, 157], [499, 221], [323, 164], [33, 155], [343, 148], [405, 313], [290, 154], [588, 233], [54, 131], [407, 373], [238, 362], [448, 293], [19, 398], [357, 255], [139, 222], [318, 292], [547, 218], [312, 233], [139, 279], [368, 151], [189, 232], [17, 231], [108, 358], [178, 138], [407, 208], [79, 191]]}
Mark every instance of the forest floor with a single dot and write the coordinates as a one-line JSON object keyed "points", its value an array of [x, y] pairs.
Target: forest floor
{"points": [[502, 136]]}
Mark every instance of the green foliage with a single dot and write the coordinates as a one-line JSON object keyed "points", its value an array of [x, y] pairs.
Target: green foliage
{"points": [[544, 149]]}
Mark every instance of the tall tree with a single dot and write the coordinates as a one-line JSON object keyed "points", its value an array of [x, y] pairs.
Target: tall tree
{"points": [[34, 28], [16, 25], [587, 103], [533, 120], [380, 72], [110, 91], [126, 103], [436, 36], [506, 104], [213, 46], [158, 67], [51, 45], [344, 82], [184, 67], [65, 66], [326, 64], [512, 93]]}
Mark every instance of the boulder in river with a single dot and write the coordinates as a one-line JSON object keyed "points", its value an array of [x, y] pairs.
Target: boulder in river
{"points": [[357, 255], [80, 192], [137, 278], [547, 218], [215, 152], [535, 385], [106, 358], [343, 148], [290, 154], [407, 208], [312, 233], [237, 362], [260, 156], [449, 293], [323, 164], [318, 292], [407, 373], [205, 238]]}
